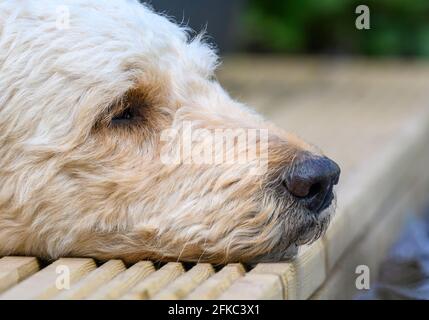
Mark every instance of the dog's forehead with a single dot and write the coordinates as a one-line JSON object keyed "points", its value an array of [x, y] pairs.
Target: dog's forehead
{"points": [[81, 55], [118, 40], [154, 40]]}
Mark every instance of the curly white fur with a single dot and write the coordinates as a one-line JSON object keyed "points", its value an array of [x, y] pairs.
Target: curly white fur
{"points": [[71, 183]]}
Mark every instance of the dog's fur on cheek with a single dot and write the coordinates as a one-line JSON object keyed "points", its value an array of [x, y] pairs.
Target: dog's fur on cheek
{"points": [[74, 183]]}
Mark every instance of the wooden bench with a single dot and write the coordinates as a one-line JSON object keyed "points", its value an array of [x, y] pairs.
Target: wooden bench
{"points": [[371, 117]]}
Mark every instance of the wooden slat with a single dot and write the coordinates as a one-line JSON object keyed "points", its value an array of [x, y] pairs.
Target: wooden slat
{"points": [[302, 276], [187, 282], [16, 269], [369, 252], [123, 282], [373, 247], [282, 270], [386, 173], [255, 286], [218, 283], [43, 285], [93, 280], [151, 285], [337, 238], [403, 163], [310, 271]]}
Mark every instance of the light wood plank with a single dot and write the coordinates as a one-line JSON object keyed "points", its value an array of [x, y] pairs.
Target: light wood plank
{"points": [[46, 283], [386, 173], [255, 286], [15, 269], [369, 252], [310, 270], [123, 282], [151, 285], [218, 283], [187, 282], [281, 269], [302, 276], [373, 247], [93, 281]]}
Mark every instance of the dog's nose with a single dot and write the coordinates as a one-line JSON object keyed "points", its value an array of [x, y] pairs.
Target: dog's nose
{"points": [[312, 181]]}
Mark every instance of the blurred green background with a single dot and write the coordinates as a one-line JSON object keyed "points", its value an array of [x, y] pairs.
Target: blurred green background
{"points": [[398, 27]]}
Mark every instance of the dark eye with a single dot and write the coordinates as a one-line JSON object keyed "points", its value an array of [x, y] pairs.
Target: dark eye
{"points": [[127, 111], [124, 116]]}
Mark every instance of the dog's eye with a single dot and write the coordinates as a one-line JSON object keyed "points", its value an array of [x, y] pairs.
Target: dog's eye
{"points": [[129, 110], [124, 116]]}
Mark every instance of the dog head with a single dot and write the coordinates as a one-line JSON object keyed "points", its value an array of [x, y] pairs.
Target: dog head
{"points": [[117, 141]]}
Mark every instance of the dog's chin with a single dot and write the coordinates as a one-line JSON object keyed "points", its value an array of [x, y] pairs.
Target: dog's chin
{"points": [[278, 254], [287, 248], [316, 226]]}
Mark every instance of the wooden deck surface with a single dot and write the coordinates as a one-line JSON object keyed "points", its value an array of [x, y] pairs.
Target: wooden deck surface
{"points": [[371, 117]]}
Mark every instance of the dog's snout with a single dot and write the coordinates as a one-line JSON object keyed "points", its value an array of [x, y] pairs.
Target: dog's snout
{"points": [[312, 181]]}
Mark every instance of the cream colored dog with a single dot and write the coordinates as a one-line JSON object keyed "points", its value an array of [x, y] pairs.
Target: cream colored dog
{"points": [[91, 92]]}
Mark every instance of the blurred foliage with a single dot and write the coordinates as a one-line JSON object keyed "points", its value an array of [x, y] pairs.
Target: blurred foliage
{"points": [[398, 27]]}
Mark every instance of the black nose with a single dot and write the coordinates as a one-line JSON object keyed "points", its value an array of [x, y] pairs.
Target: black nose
{"points": [[312, 180]]}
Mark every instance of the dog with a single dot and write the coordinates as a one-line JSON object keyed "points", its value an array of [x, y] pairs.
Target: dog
{"points": [[96, 98]]}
